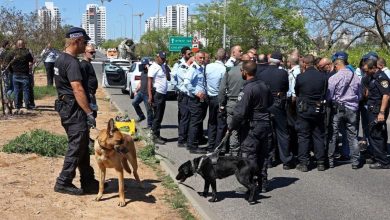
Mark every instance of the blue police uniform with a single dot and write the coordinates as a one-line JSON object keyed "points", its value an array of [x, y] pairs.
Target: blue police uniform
{"points": [[194, 82], [310, 89], [277, 80], [251, 116], [377, 85], [182, 99]]}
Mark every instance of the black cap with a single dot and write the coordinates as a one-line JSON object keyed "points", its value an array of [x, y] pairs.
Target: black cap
{"points": [[76, 32], [162, 54], [277, 56]]}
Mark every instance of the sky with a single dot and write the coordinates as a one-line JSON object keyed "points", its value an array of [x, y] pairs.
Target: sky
{"points": [[119, 20]]}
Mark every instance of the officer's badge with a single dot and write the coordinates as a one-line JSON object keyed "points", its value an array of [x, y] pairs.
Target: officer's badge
{"points": [[385, 84], [240, 96], [56, 71]]}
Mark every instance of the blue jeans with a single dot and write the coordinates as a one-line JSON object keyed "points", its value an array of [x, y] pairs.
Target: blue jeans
{"points": [[21, 83], [141, 97]]}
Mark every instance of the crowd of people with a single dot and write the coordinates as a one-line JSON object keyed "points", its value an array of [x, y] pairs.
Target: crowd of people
{"points": [[17, 67], [277, 108]]}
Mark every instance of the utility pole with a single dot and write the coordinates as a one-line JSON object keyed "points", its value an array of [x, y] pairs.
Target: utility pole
{"points": [[158, 14], [224, 25], [132, 20], [140, 24]]}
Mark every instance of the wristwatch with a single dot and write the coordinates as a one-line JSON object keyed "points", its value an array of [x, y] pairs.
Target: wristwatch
{"points": [[382, 112]]}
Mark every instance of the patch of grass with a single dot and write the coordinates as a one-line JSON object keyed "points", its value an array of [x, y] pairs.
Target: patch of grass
{"points": [[175, 197], [42, 91], [38, 141]]}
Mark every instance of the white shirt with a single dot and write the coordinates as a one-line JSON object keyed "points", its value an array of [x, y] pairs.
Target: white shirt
{"points": [[292, 77], [214, 74], [386, 71], [160, 81], [230, 62]]}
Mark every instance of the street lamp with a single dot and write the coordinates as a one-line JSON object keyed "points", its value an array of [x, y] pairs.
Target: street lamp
{"points": [[140, 24], [158, 14], [132, 20]]}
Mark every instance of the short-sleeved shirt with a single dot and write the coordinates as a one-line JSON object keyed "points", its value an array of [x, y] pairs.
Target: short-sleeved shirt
{"points": [[22, 59], [160, 82], [377, 85], [90, 72], [67, 69], [214, 74], [144, 82]]}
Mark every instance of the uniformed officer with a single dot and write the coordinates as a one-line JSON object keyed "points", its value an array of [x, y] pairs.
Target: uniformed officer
{"points": [[182, 99], [194, 81], [310, 89], [217, 120], [229, 89], [277, 80], [377, 84], [86, 65], [235, 57], [252, 117], [76, 115], [262, 64]]}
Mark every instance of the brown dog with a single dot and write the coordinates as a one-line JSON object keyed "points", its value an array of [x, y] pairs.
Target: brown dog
{"points": [[112, 150]]}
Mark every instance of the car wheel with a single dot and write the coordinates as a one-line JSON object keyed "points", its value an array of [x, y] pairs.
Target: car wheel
{"points": [[124, 91], [131, 93]]}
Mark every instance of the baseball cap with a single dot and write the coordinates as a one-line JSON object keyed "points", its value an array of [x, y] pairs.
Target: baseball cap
{"points": [[145, 61], [162, 54], [340, 55], [277, 56], [76, 32], [370, 56]]}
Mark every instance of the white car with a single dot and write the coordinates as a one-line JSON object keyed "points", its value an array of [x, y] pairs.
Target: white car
{"points": [[133, 78], [114, 73]]}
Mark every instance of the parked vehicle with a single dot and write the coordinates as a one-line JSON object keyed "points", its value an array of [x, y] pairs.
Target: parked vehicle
{"points": [[114, 73]]}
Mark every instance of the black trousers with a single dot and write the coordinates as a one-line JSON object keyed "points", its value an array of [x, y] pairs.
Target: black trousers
{"points": [[77, 154], [49, 73], [196, 119], [378, 138], [158, 110], [280, 126], [217, 123], [184, 118], [310, 129], [255, 145], [291, 121]]}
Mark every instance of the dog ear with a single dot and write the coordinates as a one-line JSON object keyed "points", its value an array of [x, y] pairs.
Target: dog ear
{"points": [[110, 127]]}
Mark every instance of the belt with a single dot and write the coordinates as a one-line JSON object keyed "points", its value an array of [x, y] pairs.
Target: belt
{"points": [[66, 98]]}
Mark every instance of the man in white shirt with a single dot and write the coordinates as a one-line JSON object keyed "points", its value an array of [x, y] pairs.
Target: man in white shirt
{"points": [[382, 66], [49, 56], [158, 77]]}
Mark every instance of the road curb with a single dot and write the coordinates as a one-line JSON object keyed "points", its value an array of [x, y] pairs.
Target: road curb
{"points": [[206, 215]]}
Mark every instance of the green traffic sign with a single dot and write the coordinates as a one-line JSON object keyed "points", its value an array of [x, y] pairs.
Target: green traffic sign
{"points": [[177, 42]]}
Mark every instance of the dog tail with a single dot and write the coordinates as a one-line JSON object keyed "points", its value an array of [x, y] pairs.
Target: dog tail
{"points": [[126, 165]]}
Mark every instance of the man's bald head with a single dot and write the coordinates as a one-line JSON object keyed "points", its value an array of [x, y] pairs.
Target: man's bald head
{"points": [[221, 54], [381, 62], [20, 44], [249, 67], [245, 57], [263, 58], [325, 65], [236, 52]]}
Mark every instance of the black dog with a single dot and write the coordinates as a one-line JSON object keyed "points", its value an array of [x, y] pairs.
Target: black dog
{"points": [[225, 166]]}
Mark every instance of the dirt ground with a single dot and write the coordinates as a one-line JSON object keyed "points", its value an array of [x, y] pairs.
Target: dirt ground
{"points": [[27, 181]]}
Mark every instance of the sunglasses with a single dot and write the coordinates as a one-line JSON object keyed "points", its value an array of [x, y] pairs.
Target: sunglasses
{"points": [[92, 52]]}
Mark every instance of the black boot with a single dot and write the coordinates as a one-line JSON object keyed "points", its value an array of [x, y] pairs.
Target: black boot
{"points": [[68, 189]]}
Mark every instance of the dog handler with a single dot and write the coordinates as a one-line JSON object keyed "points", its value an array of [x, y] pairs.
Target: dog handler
{"points": [[252, 118], [76, 115]]}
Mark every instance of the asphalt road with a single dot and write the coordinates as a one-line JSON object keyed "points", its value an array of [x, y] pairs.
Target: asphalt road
{"points": [[339, 193]]}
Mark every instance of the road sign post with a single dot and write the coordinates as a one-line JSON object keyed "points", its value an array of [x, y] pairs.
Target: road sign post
{"points": [[177, 42]]}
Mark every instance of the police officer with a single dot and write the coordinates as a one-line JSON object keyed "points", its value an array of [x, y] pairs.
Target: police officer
{"points": [[86, 65], [217, 120], [252, 117], [76, 115], [310, 89], [194, 82], [262, 64], [277, 80], [235, 57], [377, 84], [182, 99], [229, 90]]}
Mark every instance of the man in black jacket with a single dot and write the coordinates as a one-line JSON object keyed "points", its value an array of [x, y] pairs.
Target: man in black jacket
{"points": [[310, 89], [86, 65]]}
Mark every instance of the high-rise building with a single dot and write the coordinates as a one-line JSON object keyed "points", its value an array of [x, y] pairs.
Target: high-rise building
{"points": [[176, 19], [151, 23], [94, 22], [49, 16]]}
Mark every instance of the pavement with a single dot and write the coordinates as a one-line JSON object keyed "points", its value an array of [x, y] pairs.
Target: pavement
{"points": [[339, 193]]}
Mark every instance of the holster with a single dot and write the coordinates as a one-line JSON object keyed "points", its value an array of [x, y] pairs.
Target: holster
{"points": [[374, 108], [302, 106], [65, 106]]}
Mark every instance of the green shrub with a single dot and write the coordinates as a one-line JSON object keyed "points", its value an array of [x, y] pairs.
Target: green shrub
{"points": [[42, 91], [38, 141]]}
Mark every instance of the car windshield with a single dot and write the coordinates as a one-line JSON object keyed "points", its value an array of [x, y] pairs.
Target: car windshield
{"points": [[121, 63]]}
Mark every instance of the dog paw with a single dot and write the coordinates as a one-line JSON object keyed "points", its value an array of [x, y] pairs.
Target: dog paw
{"points": [[213, 199], [98, 197], [121, 203]]}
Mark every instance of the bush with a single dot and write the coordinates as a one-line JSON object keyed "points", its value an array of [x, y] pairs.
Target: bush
{"points": [[42, 91], [38, 141]]}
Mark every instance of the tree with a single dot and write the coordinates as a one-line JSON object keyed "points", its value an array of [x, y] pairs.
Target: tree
{"points": [[357, 19], [276, 24], [154, 41], [111, 43]]}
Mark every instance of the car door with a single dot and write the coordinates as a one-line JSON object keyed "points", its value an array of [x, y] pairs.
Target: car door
{"points": [[115, 75]]}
